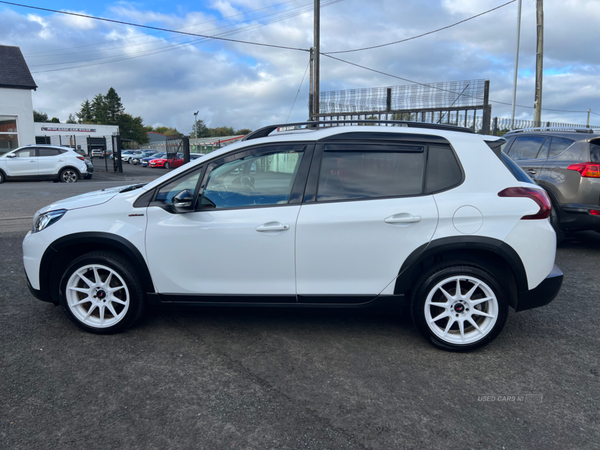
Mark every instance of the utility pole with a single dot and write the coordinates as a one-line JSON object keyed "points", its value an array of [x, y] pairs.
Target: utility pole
{"points": [[317, 58], [196, 129], [311, 90], [539, 64], [514, 99], [588, 121]]}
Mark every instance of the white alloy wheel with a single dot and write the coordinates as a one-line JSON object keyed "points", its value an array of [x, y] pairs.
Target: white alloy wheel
{"points": [[97, 296], [461, 310]]}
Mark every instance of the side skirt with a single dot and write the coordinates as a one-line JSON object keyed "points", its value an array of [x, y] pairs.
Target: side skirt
{"points": [[389, 303]]}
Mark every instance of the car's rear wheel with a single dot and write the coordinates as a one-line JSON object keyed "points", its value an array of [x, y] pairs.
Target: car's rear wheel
{"points": [[459, 307], [101, 293], [1, 177], [68, 176]]}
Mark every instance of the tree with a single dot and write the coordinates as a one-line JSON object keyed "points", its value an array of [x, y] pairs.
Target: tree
{"points": [[200, 130], [40, 117], [132, 128], [71, 119], [55, 120], [167, 131], [221, 131], [113, 107], [99, 109], [243, 131], [85, 114]]}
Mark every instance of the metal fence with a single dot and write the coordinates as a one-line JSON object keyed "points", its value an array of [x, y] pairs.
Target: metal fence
{"points": [[452, 102], [501, 125]]}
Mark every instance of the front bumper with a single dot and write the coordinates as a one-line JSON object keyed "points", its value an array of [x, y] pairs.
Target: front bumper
{"points": [[40, 295], [543, 294]]}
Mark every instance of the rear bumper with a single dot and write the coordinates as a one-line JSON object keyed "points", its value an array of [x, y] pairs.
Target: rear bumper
{"points": [[578, 217], [543, 294]]}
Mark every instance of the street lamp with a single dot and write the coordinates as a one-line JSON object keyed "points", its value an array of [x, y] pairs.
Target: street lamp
{"points": [[196, 130]]}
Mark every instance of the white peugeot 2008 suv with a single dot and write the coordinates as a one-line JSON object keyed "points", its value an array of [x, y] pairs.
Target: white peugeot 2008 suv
{"points": [[311, 215]]}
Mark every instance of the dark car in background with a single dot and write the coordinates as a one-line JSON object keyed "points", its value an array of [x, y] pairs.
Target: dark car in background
{"points": [[567, 164]]}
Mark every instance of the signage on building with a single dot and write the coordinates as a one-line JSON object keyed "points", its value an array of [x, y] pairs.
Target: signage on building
{"points": [[81, 130]]}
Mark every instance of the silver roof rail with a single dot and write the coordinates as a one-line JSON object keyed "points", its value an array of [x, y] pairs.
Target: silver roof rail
{"points": [[571, 129]]}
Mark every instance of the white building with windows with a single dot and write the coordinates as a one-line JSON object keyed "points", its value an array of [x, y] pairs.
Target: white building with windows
{"points": [[81, 136], [16, 105]]}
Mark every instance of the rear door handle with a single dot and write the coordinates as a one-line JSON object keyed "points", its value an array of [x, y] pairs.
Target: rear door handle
{"points": [[531, 171], [402, 218], [273, 226]]}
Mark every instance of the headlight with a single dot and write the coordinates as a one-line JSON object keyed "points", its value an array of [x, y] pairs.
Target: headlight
{"points": [[42, 221]]}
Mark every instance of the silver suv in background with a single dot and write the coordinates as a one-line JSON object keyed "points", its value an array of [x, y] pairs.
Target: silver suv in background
{"points": [[567, 165]]}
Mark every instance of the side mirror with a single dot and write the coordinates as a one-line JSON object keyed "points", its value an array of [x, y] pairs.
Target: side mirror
{"points": [[11, 155], [182, 201]]}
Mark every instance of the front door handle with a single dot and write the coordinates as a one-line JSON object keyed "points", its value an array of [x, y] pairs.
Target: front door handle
{"points": [[273, 226], [531, 171], [402, 218]]}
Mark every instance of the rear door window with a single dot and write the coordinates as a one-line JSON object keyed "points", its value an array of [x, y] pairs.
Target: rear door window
{"points": [[526, 147], [354, 171], [48, 152]]}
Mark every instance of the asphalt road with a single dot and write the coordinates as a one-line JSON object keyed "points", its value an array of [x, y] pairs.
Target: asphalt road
{"points": [[259, 379]]}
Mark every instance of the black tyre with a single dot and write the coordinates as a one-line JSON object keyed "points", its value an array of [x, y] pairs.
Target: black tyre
{"points": [[68, 175], [459, 307], [167, 165], [2, 179], [101, 293], [555, 221]]}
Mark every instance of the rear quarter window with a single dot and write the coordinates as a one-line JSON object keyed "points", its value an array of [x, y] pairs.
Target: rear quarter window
{"points": [[443, 170], [595, 152]]}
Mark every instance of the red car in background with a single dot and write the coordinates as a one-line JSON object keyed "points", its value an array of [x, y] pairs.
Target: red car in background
{"points": [[168, 163]]}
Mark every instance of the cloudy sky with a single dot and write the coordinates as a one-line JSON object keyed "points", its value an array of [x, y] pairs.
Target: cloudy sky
{"points": [[165, 77]]}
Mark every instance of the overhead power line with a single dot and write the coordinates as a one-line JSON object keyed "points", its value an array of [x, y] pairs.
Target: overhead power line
{"points": [[423, 34], [441, 89], [46, 52], [120, 22], [110, 59]]}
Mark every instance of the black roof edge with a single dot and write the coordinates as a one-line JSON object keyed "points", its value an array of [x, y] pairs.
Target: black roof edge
{"points": [[265, 131]]}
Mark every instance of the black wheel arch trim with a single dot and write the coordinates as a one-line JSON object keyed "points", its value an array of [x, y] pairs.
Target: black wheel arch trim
{"points": [[409, 269], [106, 239]]}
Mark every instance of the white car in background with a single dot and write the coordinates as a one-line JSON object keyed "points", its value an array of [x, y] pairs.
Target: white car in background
{"points": [[433, 217], [42, 162], [128, 155]]}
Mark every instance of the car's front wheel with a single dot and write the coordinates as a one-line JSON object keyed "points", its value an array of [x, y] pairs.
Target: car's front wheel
{"points": [[459, 307], [101, 293], [167, 165], [68, 176], [1, 177]]}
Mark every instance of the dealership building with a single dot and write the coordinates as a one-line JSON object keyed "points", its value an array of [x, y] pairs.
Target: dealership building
{"points": [[86, 137], [17, 127]]}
